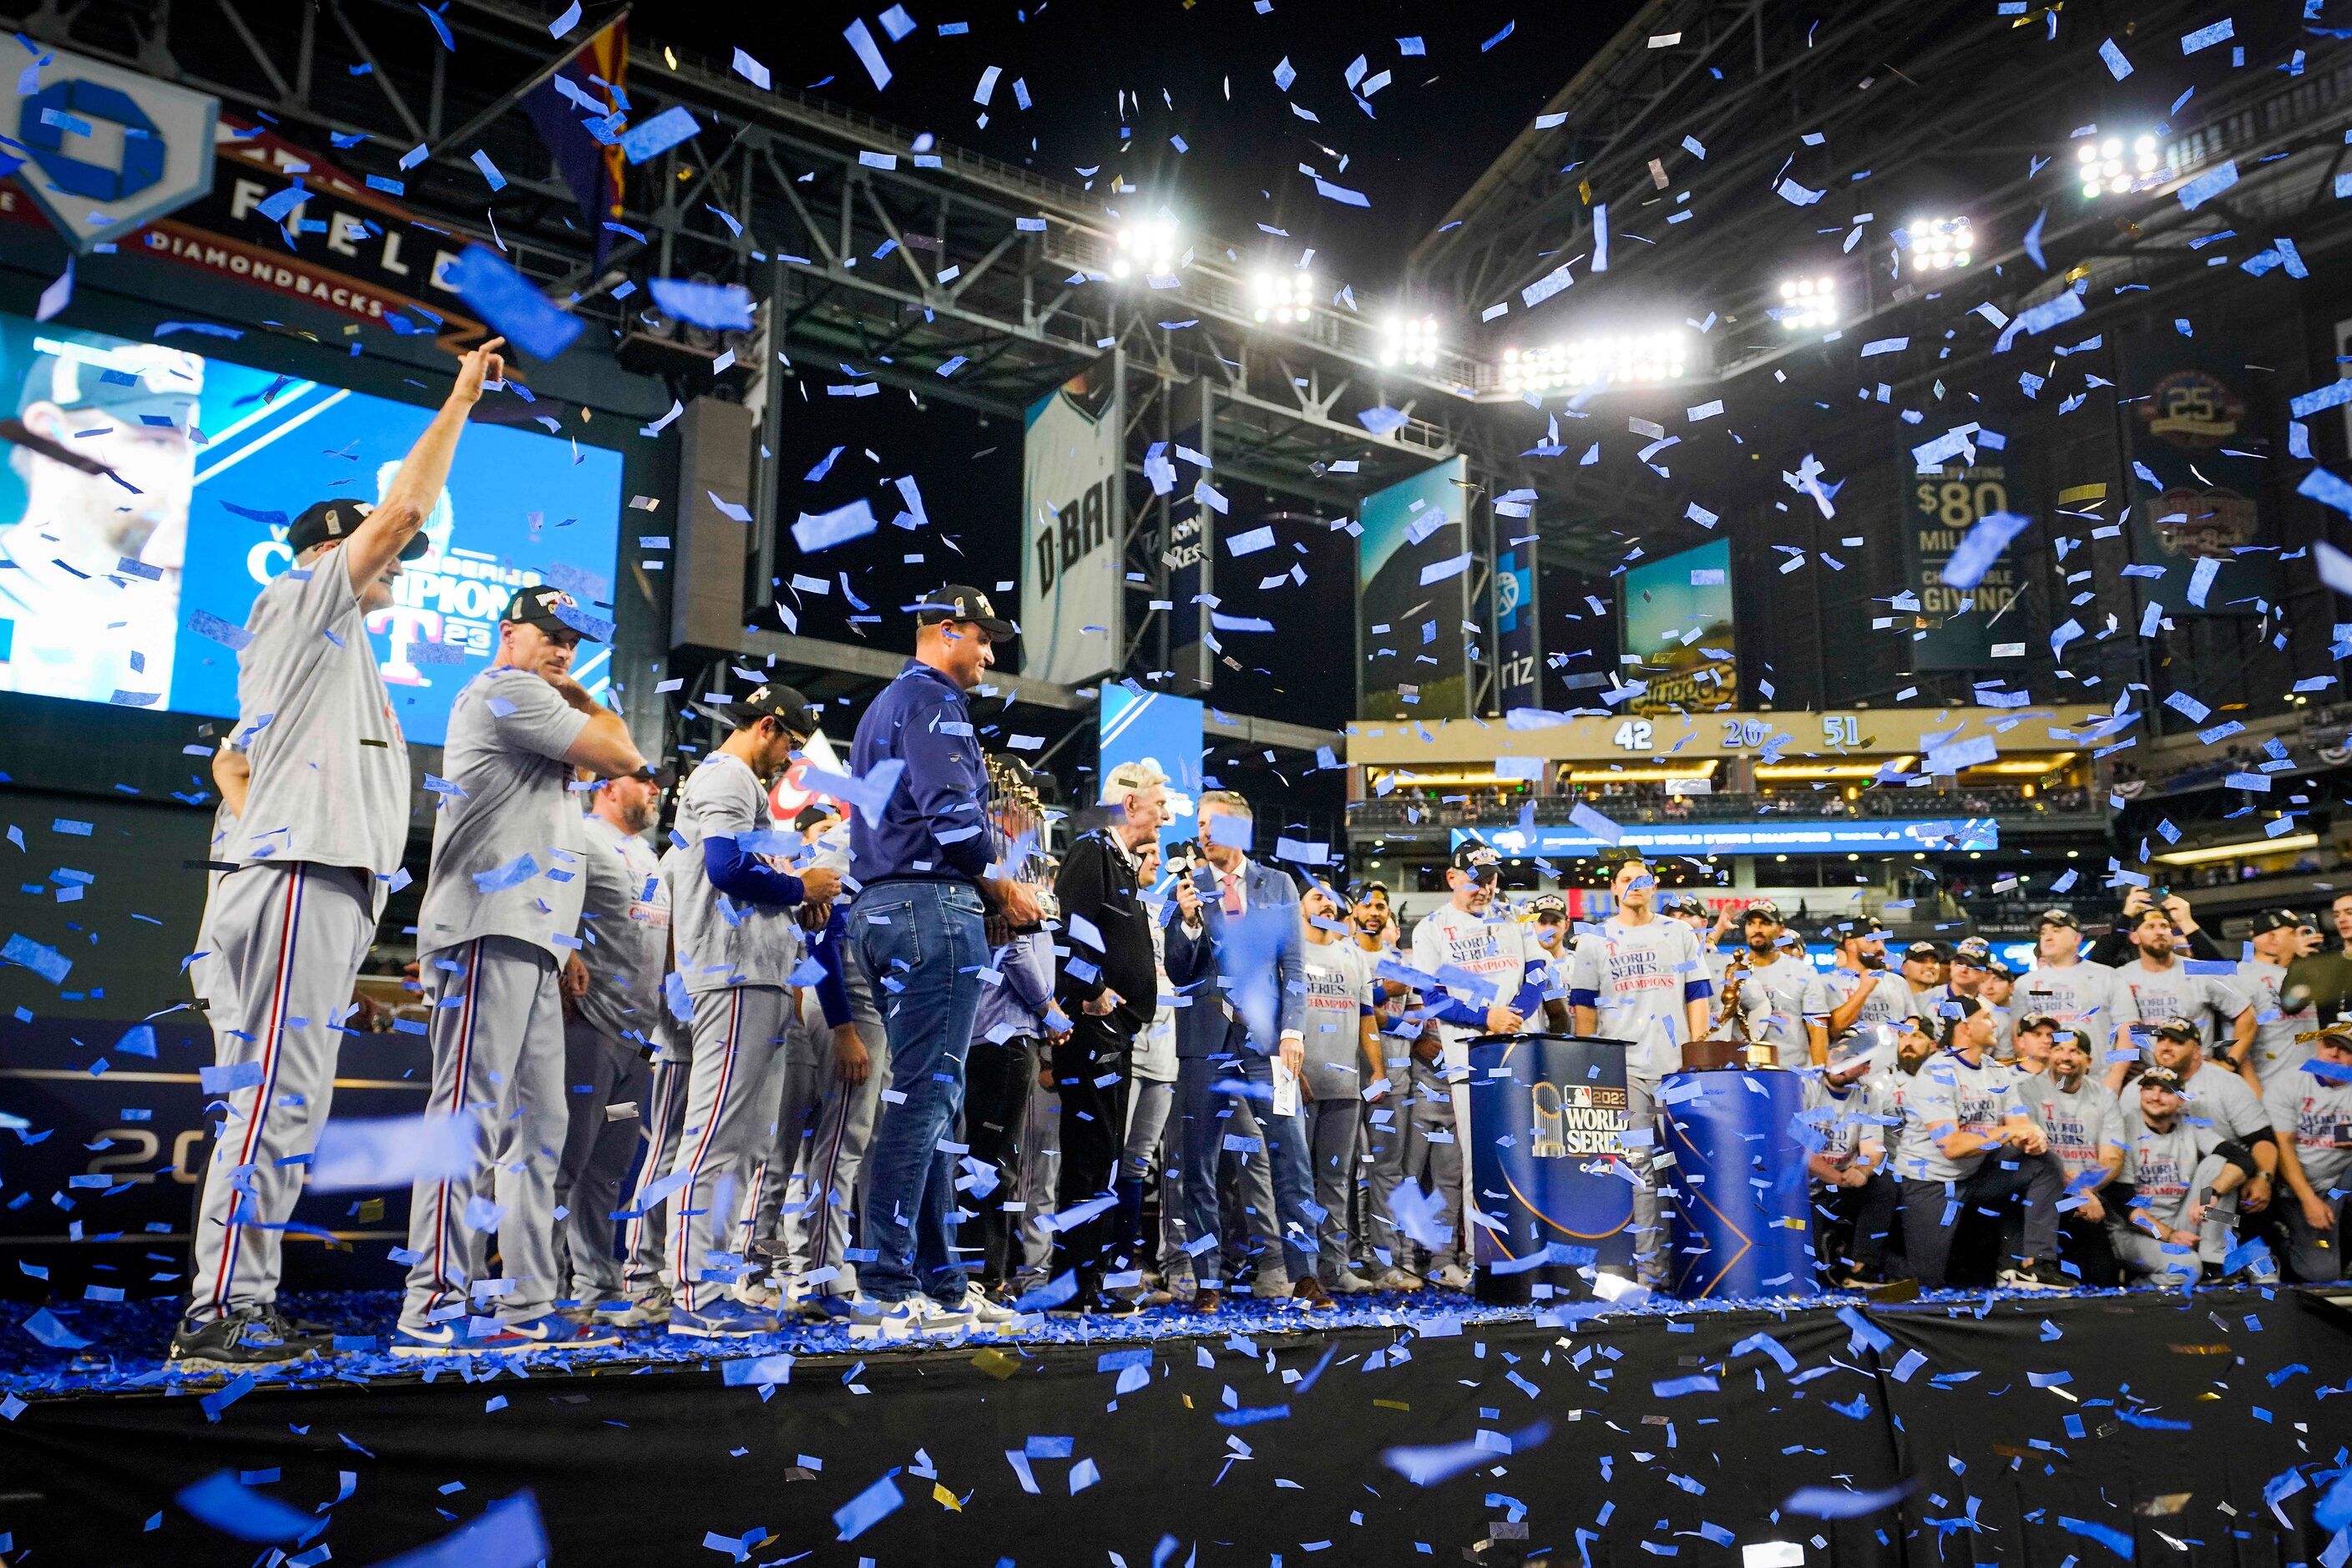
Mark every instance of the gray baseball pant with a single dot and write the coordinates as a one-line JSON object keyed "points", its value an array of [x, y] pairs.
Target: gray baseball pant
{"points": [[737, 1034], [497, 1034], [599, 1072], [289, 939]]}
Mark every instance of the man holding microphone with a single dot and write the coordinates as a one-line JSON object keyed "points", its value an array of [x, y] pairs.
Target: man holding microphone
{"points": [[926, 883]]}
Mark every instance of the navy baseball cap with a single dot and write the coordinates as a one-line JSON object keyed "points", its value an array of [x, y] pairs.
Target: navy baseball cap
{"points": [[333, 521], [958, 603], [1478, 859], [771, 699], [551, 610]]}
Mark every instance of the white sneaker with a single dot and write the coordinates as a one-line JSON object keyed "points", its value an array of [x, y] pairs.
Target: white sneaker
{"points": [[981, 1309], [1395, 1278], [1271, 1288], [943, 1322], [1452, 1277], [1347, 1282]]}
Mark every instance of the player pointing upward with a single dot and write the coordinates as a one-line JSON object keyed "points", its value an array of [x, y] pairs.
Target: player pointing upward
{"points": [[325, 818]]}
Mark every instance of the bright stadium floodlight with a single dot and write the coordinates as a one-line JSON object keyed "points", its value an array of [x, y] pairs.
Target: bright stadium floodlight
{"points": [[1938, 244], [1807, 303], [2108, 168], [1283, 295], [1588, 363], [1410, 341], [1148, 249]]}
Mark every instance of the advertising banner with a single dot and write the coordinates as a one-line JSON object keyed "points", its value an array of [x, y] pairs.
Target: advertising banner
{"points": [[1075, 504], [1940, 505], [1830, 836], [345, 245], [2197, 449], [105, 148], [1546, 1138], [1518, 629], [1412, 596], [1678, 622], [131, 585]]}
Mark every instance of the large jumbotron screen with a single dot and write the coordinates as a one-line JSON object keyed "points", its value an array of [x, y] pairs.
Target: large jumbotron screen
{"points": [[127, 587]]}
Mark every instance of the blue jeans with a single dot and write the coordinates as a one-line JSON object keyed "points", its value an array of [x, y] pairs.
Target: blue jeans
{"points": [[924, 945], [1201, 1140]]}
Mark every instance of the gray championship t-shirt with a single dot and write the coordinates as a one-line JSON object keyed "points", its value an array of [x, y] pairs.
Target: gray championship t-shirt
{"points": [[1849, 1118], [2081, 994], [721, 942], [507, 851], [2144, 996], [2161, 1166], [329, 767], [623, 930], [1891, 998], [1640, 980], [2276, 1050], [1339, 992], [2318, 1114], [2216, 1096], [1777, 999], [1969, 1099], [2084, 1124]]}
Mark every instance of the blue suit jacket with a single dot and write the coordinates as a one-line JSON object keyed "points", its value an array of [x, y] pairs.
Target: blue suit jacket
{"points": [[1265, 940]]}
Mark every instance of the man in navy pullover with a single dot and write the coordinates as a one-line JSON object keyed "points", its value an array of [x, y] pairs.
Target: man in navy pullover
{"points": [[922, 863]]}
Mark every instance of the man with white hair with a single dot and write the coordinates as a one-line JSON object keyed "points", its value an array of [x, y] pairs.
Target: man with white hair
{"points": [[1108, 986]]}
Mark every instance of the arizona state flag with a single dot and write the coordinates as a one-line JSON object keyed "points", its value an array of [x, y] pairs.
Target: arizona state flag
{"points": [[580, 110]]}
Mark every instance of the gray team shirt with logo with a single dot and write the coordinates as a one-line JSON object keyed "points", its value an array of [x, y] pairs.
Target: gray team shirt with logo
{"points": [[507, 851], [329, 767], [2276, 1050], [2081, 994], [623, 930], [2147, 996], [2316, 1113], [721, 942], [1339, 990], [1777, 999], [2084, 1124]]}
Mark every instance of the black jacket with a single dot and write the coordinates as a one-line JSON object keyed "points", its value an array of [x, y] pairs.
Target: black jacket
{"points": [[1097, 886]]}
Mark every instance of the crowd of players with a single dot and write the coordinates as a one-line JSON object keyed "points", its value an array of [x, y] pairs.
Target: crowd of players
{"points": [[768, 1069]]}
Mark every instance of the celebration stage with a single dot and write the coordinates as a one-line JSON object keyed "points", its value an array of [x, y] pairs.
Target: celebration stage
{"points": [[2091, 1428]]}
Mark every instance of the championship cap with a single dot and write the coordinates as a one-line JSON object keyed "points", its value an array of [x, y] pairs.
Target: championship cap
{"points": [[551, 610], [2032, 1021], [1674, 903], [2277, 920], [1550, 904], [2176, 1029], [1854, 931], [1763, 909], [1922, 950], [1478, 859], [958, 603], [333, 521], [2059, 918], [1363, 887], [2160, 1077], [772, 700], [1976, 952]]}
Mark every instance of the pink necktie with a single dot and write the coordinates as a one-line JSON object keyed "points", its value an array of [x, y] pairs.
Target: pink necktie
{"points": [[1232, 892]]}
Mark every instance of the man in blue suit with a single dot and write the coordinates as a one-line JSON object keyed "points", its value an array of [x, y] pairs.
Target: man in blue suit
{"points": [[1233, 955]]}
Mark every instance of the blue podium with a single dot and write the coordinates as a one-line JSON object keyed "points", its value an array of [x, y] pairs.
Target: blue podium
{"points": [[1547, 1160], [1742, 1218]]}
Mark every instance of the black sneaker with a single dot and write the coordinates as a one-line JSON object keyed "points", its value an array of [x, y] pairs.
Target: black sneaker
{"points": [[2036, 1274], [242, 1341], [299, 1332]]}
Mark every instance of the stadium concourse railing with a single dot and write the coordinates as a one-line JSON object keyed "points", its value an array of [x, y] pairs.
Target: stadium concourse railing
{"points": [[2052, 807]]}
